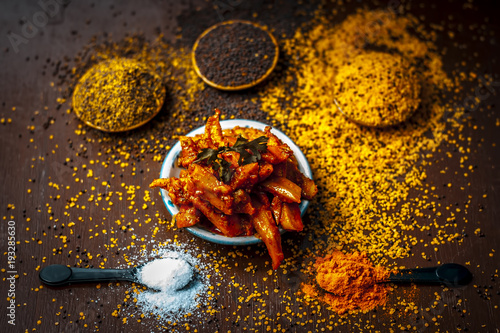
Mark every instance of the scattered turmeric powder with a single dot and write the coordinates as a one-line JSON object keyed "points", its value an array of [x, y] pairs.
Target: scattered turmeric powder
{"points": [[364, 174], [351, 282]]}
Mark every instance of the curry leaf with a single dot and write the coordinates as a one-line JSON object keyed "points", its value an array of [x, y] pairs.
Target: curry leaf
{"points": [[250, 152], [205, 154]]}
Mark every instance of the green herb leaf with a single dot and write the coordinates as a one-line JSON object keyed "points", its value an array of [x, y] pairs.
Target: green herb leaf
{"points": [[225, 172], [205, 154], [256, 146], [250, 152]]}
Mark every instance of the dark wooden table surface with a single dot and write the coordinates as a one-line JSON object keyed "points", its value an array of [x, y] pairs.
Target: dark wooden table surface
{"points": [[45, 161]]}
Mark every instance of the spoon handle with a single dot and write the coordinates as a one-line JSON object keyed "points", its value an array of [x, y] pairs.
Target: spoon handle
{"points": [[82, 275], [453, 275], [415, 275], [60, 275]]}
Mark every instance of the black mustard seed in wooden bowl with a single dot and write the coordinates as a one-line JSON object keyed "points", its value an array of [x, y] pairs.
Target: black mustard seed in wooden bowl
{"points": [[235, 55]]}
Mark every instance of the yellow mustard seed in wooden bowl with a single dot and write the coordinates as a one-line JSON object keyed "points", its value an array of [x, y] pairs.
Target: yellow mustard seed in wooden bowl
{"points": [[118, 95], [377, 89]]}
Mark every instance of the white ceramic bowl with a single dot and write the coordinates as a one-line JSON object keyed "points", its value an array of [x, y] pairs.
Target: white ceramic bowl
{"points": [[171, 168]]}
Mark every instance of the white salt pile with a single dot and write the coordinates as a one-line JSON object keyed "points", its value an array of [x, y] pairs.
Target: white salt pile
{"points": [[166, 274], [176, 281]]}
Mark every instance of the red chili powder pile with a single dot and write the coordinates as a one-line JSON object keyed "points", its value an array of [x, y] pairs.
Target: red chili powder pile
{"points": [[348, 282]]}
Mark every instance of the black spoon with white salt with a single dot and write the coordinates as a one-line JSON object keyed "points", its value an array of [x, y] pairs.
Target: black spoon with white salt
{"points": [[163, 274]]}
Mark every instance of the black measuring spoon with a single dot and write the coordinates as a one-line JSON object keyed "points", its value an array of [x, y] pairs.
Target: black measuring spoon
{"points": [[60, 275], [452, 275]]}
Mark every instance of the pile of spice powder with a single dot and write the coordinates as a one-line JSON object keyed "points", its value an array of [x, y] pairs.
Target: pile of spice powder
{"points": [[172, 64], [377, 89], [347, 282], [363, 174], [118, 94]]}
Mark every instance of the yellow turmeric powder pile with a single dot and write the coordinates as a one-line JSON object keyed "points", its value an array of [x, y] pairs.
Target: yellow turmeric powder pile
{"points": [[351, 282], [377, 89]]}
